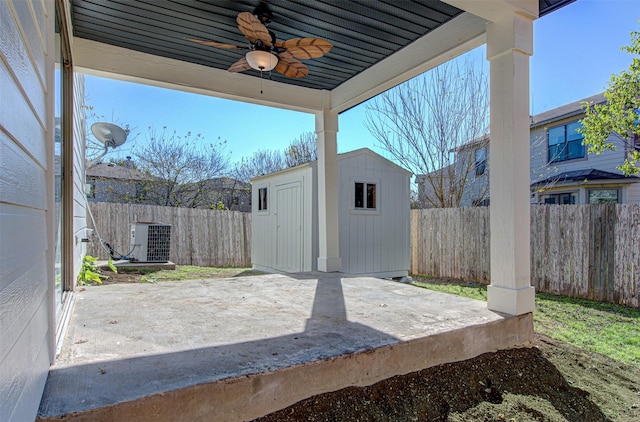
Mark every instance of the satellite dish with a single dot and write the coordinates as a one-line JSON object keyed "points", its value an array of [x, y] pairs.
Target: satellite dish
{"points": [[112, 136], [109, 134]]}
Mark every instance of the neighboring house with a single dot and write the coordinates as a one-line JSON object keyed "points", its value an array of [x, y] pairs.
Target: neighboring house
{"points": [[472, 160], [232, 194], [373, 217], [465, 182], [561, 170], [435, 188], [108, 182]]}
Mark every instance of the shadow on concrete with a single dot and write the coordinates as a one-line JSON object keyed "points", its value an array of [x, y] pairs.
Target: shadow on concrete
{"points": [[328, 334]]}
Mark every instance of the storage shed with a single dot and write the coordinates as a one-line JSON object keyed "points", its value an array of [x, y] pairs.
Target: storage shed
{"points": [[373, 217]]}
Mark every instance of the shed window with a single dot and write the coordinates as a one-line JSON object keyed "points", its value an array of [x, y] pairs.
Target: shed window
{"points": [[365, 195], [92, 190], [262, 199], [141, 192]]}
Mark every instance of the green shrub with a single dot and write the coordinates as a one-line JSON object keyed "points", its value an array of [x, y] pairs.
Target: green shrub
{"points": [[89, 271]]}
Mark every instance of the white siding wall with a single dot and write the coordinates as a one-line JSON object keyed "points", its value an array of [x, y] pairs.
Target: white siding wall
{"points": [[373, 242], [79, 195], [264, 223], [26, 148]]}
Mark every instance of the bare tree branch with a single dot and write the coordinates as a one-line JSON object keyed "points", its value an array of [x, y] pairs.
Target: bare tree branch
{"points": [[180, 168], [424, 122], [260, 163], [301, 150]]}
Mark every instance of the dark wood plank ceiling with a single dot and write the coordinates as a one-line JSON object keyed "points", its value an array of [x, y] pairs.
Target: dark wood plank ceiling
{"points": [[363, 32]]}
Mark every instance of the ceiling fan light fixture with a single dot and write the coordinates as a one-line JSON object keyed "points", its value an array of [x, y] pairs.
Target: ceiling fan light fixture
{"points": [[262, 60]]}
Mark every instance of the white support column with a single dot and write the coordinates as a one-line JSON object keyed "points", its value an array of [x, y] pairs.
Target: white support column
{"points": [[327, 128], [509, 45]]}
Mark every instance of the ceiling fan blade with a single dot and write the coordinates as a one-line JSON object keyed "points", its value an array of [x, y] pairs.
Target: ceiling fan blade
{"points": [[218, 44], [290, 67], [253, 29], [306, 48], [239, 66]]}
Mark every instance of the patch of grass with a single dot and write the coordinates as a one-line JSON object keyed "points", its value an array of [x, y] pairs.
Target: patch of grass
{"points": [[612, 330], [470, 290], [191, 272]]}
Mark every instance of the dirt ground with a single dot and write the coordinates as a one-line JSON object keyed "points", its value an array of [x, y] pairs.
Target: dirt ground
{"points": [[551, 381]]}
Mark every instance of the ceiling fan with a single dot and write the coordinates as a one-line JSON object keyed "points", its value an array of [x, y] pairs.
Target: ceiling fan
{"points": [[265, 52]]}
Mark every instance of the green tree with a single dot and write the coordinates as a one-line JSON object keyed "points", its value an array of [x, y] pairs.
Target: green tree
{"points": [[620, 114]]}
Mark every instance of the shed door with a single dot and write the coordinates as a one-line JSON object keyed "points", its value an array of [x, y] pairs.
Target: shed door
{"points": [[289, 228]]}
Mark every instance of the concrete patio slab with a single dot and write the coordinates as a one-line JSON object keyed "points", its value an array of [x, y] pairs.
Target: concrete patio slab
{"points": [[235, 349]]}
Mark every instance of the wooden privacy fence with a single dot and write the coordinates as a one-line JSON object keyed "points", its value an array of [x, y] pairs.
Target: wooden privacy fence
{"points": [[198, 236], [585, 251]]}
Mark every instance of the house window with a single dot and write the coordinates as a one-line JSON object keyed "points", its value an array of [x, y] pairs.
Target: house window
{"points": [[565, 143], [91, 194], [262, 199], [365, 195], [561, 199], [636, 142], [141, 192], [481, 161], [604, 196], [481, 202]]}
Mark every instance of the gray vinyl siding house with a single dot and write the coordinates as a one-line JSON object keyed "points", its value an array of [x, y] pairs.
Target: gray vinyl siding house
{"points": [[469, 171], [108, 182], [373, 217], [561, 170]]}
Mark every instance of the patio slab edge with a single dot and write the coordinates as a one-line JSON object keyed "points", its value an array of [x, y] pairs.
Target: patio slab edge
{"points": [[250, 396]]}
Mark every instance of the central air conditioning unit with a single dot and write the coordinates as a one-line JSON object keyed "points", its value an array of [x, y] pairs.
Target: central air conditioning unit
{"points": [[150, 242]]}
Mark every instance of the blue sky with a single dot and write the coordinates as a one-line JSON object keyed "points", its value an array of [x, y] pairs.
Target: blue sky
{"points": [[576, 50]]}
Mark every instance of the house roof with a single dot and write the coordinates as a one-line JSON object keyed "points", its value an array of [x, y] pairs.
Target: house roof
{"points": [[482, 140], [586, 175], [363, 32], [564, 111], [112, 171], [445, 171], [225, 183]]}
